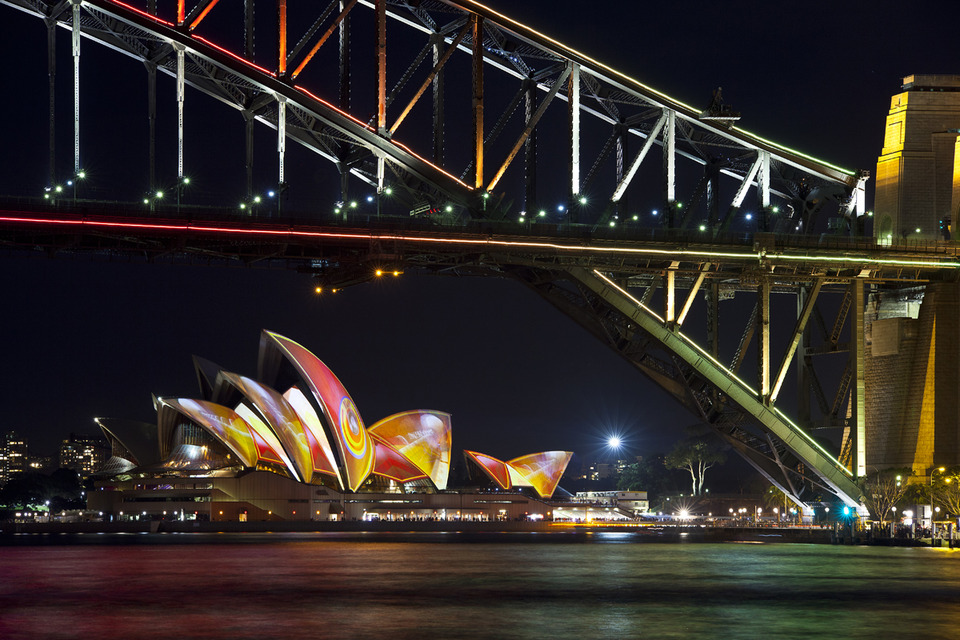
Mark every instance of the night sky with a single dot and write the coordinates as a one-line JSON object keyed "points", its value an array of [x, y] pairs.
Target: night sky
{"points": [[85, 338]]}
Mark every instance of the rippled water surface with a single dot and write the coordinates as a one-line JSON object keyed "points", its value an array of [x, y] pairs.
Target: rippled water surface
{"points": [[520, 586]]}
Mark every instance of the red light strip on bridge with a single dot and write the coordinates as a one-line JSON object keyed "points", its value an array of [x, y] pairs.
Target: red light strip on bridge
{"points": [[369, 128], [330, 106], [233, 55], [673, 253]]}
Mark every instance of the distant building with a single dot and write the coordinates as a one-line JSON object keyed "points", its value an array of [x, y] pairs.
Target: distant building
{"points": [[596, 471], [14, 458], [83, 454], [635, 502]]}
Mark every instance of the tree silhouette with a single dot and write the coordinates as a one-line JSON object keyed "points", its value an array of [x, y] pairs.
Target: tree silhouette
{"points": [[694, 456]]}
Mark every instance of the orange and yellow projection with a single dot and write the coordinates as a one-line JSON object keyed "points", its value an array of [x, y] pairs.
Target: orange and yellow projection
{"points": [[223, 423], [542, 471], [357, 452], [423, 437]]}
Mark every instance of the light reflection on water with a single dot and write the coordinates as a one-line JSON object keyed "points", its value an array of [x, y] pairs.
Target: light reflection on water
{"points": [[521, 586]]}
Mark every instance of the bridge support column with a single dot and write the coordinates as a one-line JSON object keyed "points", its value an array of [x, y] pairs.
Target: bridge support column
{"points": [[438, 113], [477, 34], [281, 147], [76, 93], [670, 164], [152, 124], [381, 27], [763, 346], [248, 48], [573, 101], [249, 120], [52, 79], [180, 97], [621, 206], [858, 462], [530, 150]]}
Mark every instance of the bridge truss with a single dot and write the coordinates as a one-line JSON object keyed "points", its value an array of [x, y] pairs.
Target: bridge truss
{"points": [[482, 191], [545, 102]]}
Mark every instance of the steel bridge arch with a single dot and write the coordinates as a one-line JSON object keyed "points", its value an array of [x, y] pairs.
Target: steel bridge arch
{"points": [[625, 107]]}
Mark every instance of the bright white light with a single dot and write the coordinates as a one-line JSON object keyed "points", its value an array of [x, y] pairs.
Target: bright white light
{"points": [[583, 199], [369, 198], [560, 208], [614, 442], [654, 212], [749, 216], [270, 194]]}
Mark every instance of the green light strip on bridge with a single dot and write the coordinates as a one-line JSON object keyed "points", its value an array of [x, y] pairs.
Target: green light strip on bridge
{"points": [[727, 371]]}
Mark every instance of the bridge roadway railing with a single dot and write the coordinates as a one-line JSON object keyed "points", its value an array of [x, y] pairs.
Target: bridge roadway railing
{"points": [[28, 212]]}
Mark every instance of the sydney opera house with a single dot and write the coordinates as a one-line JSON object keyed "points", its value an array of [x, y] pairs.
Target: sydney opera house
{"points": [[291, 445]]}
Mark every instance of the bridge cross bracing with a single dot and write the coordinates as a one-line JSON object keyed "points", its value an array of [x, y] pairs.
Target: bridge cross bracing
{"points": [[418, 174]]}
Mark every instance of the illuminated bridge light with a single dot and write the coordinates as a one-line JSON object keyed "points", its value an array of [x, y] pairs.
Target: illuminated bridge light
{"points": [[749, 216], [256, 199], [82, 175], [560, 208], [448, 209], [58, 189], [353, 204], [776, 209], [654, 212], [369, 198], [583, 200], [271, 193], [378, 272], [542, 213], [388, 191], [159, 194]]}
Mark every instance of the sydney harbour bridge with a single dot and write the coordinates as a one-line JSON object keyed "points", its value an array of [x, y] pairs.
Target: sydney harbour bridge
{"points": [[448, 138]]}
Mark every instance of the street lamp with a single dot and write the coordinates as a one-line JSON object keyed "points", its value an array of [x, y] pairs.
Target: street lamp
{"points": [[933, 524]]}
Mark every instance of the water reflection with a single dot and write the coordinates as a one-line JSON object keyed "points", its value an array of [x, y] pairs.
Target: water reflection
{"points": [[310, 585]]}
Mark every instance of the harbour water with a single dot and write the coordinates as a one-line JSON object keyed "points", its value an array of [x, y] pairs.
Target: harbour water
{"points": [[523, 585]]}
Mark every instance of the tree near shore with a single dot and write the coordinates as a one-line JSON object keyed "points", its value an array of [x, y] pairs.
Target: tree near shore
{"points": [[883, 490], [695, 456]]}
